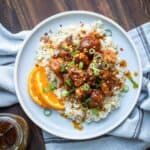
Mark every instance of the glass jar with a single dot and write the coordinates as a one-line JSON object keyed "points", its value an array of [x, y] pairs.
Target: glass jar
{"points": [[14, 132]]}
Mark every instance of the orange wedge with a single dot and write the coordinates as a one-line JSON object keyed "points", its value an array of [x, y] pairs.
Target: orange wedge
{"points": [[37, 81]]}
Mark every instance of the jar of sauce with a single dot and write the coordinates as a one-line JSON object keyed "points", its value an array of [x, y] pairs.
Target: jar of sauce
{"points": [[14, 132]]}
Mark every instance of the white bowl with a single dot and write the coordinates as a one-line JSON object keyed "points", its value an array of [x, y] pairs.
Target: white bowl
{"points": [[56, 124]]}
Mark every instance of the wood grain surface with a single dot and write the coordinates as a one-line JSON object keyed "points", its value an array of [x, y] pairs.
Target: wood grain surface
{"points": [[19, 15]]}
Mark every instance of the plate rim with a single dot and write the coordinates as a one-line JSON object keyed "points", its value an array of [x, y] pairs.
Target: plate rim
{"points": [[29, 114]]}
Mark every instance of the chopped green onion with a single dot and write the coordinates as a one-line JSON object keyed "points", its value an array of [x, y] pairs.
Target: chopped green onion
{"points": [[52, 87], [135, 85], [98, 57], [46, 89], [86, 101], [91, 51], [72, 90], [70, 64], [63, 68], [105, 65], [96, 71], [99, 24], [47, 112], [97, 84], [86, 87], [74, 52], [108, 32], [125, 89], [95, 111], [81, 65], [65, 93], [76, 43], [64, 48], [84, 108], [93, 65], [68, 82]]}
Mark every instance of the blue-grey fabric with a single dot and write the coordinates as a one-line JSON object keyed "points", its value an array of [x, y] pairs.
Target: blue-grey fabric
{"points": [[132, 134]]}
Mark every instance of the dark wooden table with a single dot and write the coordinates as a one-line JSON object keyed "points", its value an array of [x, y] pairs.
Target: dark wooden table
{"points": [[19, 15]]}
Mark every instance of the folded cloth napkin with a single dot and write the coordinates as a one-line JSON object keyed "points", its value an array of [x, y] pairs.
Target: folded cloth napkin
{"points": [[132, 134]]}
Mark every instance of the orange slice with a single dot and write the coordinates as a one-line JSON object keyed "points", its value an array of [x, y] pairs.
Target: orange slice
{"points": [[33, 91], [37, 81]]}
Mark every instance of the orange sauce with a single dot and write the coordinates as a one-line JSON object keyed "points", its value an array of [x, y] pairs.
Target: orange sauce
{"points": [[83, 31], [77, 126], [123, 63], [135, 74], [128, 74], [65, 116]]}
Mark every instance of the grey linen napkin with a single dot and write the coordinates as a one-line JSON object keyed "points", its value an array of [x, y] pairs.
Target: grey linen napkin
{"points": [[132, 134]]}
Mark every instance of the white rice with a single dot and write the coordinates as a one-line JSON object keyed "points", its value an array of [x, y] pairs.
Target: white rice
{"points": [[74, 110]]}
